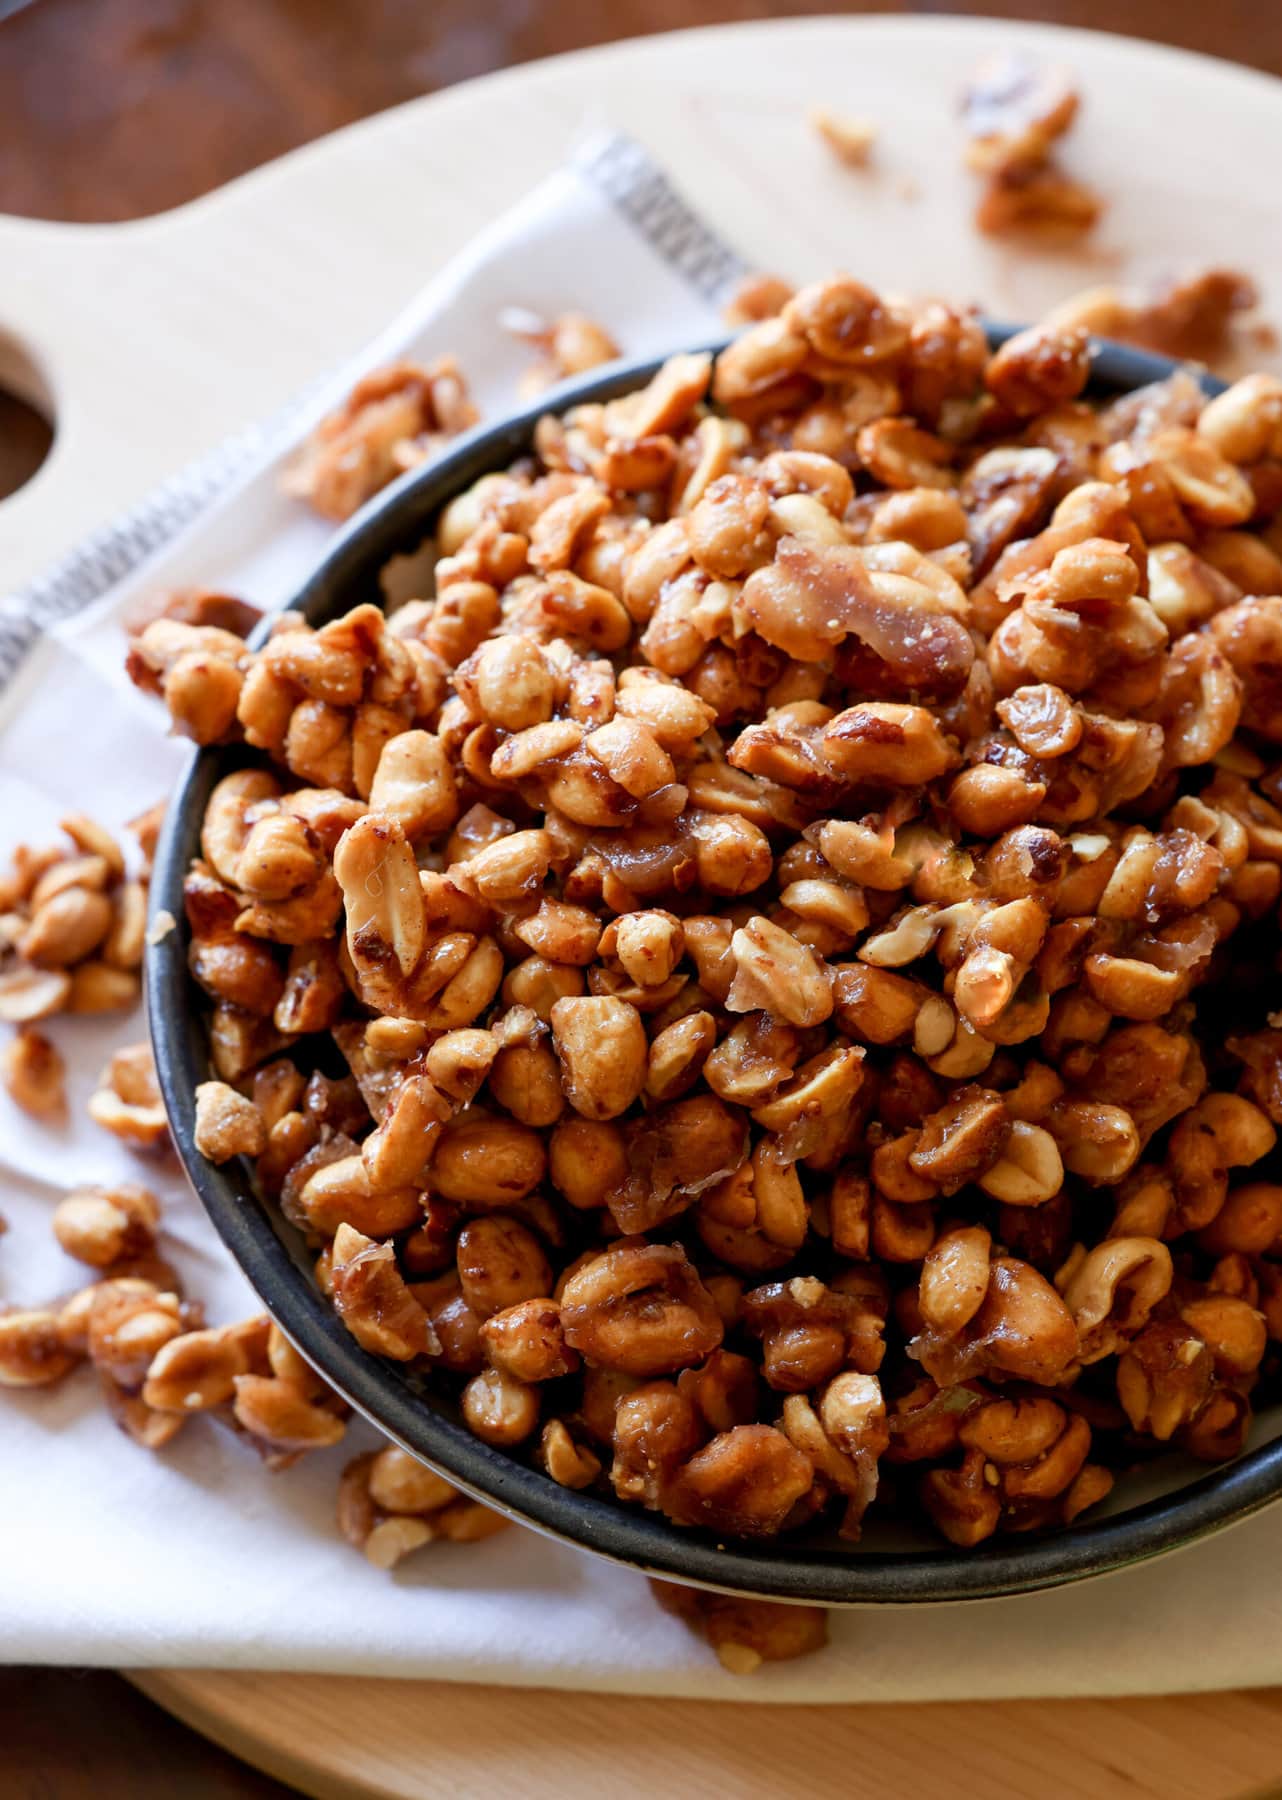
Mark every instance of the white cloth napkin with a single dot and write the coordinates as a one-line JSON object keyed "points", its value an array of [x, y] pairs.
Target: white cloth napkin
{"points": [[197, 1556]]}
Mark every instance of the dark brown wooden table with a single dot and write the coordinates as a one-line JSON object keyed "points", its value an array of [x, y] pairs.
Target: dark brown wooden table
{"points": [[112, 109]]}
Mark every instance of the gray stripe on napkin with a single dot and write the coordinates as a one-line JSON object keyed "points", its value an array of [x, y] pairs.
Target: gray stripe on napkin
{"points": [[628, 175], [107, 555]]}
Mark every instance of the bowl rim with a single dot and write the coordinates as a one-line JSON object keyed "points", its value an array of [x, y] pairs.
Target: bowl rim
{"points": [[268, 1251]]}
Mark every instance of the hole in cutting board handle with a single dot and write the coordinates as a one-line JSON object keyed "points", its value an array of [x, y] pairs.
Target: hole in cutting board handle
{"points": [[27, 417]]}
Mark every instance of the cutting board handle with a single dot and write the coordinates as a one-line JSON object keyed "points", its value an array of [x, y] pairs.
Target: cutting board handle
{"points": [[126, 335], [45, 267], [69, 348]]}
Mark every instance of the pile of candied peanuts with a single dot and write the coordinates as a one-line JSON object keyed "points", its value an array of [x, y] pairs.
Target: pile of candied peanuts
{"points": [[743, 935], [159, 1367]]}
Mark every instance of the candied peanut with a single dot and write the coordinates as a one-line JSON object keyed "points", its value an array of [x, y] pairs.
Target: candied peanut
{"points": [[373, 1301], [471, 972], [197, 1370], [1029, 1170], [903, 456], [1013, 1431], [569, 1464], [355, 1511], [558, 933], [1164, 1378], [758, 296], [1219, 1133], [732, 855], [776, 974], [887, 742], [399, 1483], [1023, 1325], [128, 1103], [33, 1074], [488, 1161], [763, 1194], [457, 1328], [1098, 1142], [602, 1048], [227, 1124], [466, 1521], [500, 1262], [197, 668], [526, 1341], [96, 987], [655, 1429], [226, 826], [724, 1390], [148, 1428], [499, 1409], [386, 925], [278, 858], [677, 1055], [526, 1082], [850, 140], [962, 1140], [1014, 111], [510, 869], [954, 1279], [129, 1321], [845, 322], [464, 611], [122, 947], [881, 1008], [727, 527], [745, 1633], [760, 359], [1036, 198], [1234, 1332], [1040, 368], [745, 1481], [28, 993], [341, 1190], [414, 784], [66, 928], [101, 1226], [674, 716], [389, 421], [1249, 1222], [820, 1090], [282, 1416], [648, 944], [809, 1331], [640, 1308], [32, 1353], [587, 1161], [1219, 1431], [1113, 1290], [844, 1439], [509, 683]]}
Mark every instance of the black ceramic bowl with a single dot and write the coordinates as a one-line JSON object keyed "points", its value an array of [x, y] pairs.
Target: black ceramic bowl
{"points": [[889, 1565]]}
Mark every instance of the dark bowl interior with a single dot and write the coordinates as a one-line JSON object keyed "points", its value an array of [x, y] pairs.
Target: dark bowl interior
{"points": [[890, 1565]]}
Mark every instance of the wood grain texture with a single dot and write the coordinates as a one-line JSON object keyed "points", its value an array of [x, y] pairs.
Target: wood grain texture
{"points": [[70, 1734], [110, 109], [388, 1740]]}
